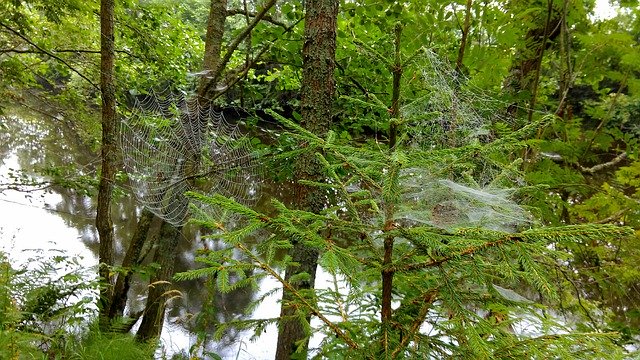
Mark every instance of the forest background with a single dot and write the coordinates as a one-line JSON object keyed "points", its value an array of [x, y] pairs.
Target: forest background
{"points": [[524, 111]]}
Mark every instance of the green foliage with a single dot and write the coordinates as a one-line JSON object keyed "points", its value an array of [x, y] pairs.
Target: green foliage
{"points": [[96, 345], [578, 168], [458, 282], [44, 306]]}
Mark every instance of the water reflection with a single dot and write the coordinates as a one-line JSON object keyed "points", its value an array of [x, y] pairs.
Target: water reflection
{"points": [[31, 142]]}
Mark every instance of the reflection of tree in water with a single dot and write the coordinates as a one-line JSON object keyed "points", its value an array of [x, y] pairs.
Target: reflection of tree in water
{"points": [[40, 142]]}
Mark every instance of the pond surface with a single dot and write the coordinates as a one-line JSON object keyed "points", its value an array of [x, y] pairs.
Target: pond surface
{"points": [[55, 218]]}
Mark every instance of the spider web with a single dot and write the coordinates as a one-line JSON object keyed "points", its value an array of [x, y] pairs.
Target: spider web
{"points": [[474, 191], [172, 145]]}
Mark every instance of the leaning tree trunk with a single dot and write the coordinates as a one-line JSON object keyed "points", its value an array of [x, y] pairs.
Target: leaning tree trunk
{"points": [[159, 288], [318, 88], [525, 71], [104, 223], [130, 261]]}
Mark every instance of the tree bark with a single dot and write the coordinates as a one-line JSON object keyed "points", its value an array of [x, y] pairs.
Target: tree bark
{"points": [[131, 259], [213, 43], [104, 223], [387, 274], [317, 95], [465, 35], [523, 73], [164, 256]]}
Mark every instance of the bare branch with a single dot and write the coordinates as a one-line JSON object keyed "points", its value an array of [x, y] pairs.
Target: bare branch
{"points": [[267, 18], [602, 166], [242, 72]]}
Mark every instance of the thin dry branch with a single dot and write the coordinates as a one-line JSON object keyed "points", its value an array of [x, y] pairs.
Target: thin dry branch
{"points": [[605, 165], [267, 18]]}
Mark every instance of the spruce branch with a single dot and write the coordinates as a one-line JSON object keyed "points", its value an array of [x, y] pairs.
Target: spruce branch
{"points": [[520, 347], [563, 233], [425, 301], [467, 252], [291, 289]]}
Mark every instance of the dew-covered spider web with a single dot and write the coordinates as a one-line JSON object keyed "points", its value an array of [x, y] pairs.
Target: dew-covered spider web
{"points": [[466, 188], [172, 144]]}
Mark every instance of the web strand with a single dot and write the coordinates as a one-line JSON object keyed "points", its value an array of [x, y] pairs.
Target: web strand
{"points": [[172, 145]]}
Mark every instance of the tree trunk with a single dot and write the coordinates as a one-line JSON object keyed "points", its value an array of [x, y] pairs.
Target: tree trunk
{"points": [[213, 43], [465, 35], [131, 259], [165, 256], [317, 95], [523, 75], [386, 274], [104, 223]]}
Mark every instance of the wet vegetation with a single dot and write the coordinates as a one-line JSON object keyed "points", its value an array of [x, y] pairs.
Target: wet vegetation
{"points": [[372, 179]]}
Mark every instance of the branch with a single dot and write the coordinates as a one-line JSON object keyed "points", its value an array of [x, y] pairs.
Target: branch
{"points": [[355, 82], [245, 69], [602, 166], [427, 299], [267, 18], [613, 217], [469, 251], [339, 333], [22, 187], [608, 116], [50, 54], [29, 51], [236, 42]]}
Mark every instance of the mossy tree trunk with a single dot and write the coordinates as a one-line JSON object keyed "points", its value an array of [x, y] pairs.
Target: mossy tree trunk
{"points": [[317, 96], [213, 44], [104, 223]]}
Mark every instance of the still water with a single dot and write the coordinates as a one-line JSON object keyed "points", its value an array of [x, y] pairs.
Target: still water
{"points": [[56, 218]]}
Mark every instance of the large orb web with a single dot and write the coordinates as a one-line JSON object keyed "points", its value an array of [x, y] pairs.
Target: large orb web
{"points": [[172, 144]]}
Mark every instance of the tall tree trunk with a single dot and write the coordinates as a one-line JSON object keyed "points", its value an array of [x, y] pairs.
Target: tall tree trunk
{"points": [[104, 223], [524, 72], [213, 43], [153, 315], [386, 273], [465, 35], [164, 256], [317, 95]]}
